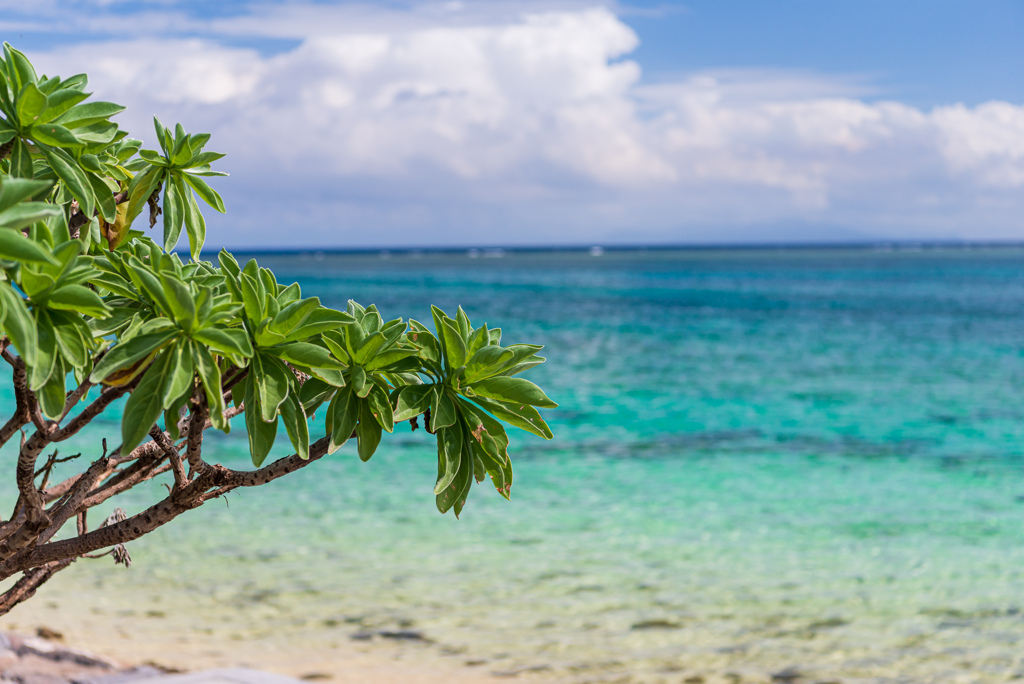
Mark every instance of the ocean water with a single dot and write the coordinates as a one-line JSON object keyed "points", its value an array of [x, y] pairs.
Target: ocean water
{"points": [[765, 462]]}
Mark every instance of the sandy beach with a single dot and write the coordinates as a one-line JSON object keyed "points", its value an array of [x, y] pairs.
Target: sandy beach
{"points": [[127, 642]]}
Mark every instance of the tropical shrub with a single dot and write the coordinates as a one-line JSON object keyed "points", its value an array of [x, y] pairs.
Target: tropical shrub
{"points": [[93, 309]]}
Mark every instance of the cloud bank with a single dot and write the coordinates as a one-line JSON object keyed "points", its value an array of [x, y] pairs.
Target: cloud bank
{"points": [[437, 125]]}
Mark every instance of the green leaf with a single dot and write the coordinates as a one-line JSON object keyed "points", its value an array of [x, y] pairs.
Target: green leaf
{"points": [[525, 358], [343, 413], [251, 299], [104, 198], [361, 385], [31, 103], [295, 424], [21, 160], [368, 432], [18, 323], [389, 358], [181, 378], [46, 352], [19, 67], [454, 345], [272, 383], [228, 263], [70, 340], [91, 163], [78, 298], [115, 284], [173, 414], [71, 175], [141, 188], [307, 355], [54, 134], [412, 401], [524, 417], [15, 247], [145, 404], [424, 340], [174, 212], [478, 339], [313, 393], [486, 362], [261, 433], [442, 409], [292, 316], [334, 378], [98, 135], [181, 152], [25, 214], [147, 282], [463, 484], [454, 495], [195, 224], [464, 326], [163, 136], [369, 348], [209, 373], [128, 353], [53, 394], [88, 114], [78, 81], [380, 406], [292, 293], [208, 194], [500, 471], [60, 101], [485, 431], [449, 455], [512, 391], [320, 321], [225, 341], [14, 190], [179, 298]]}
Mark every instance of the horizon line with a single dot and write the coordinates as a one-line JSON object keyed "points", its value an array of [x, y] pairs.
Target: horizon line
{"points": [[879, 245]]}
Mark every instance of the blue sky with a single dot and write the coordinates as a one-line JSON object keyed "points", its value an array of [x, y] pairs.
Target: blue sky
{"points": [[417, 124]]}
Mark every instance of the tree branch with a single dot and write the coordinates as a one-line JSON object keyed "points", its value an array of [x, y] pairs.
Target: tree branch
{"points": [[26, 587], [70, 507], [107, 397], [161, 438], [191, 496]]}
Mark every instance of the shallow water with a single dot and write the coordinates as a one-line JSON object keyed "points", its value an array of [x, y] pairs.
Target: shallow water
{"points": [[805, 459]]}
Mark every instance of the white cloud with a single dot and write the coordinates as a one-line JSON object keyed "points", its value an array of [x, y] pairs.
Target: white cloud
{"points": [[436, 117]]}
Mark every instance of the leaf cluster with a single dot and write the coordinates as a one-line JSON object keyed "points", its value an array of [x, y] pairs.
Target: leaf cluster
{"points": [[83, 294]]}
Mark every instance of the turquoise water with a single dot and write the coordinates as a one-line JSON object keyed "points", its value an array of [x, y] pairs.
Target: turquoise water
{"points": [[762, 459]]}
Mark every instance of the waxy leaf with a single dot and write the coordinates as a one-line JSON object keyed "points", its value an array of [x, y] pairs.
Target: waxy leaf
{"points": [[78, 298], [343, 413], [412, 401], [442, 410], [522, 416], [126, 354], [15, 247], [512, 391], [145, 404], [295, 424], [368, 432], [225, 341], [31, 103], [449, 455], [261, 433], [272, 383]]}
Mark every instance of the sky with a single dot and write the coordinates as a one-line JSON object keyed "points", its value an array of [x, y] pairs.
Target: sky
{"points": [[495, 123]]}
